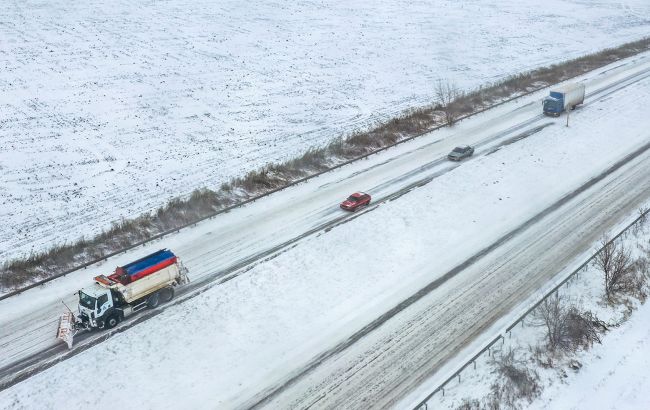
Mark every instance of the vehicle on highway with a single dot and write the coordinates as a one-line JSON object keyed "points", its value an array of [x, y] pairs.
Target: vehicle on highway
{"points": [[143, 283], [356, 201], [563, 98], [459, 153]]}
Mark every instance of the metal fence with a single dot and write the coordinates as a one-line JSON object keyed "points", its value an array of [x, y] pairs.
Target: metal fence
{"points": [[488, 348]]}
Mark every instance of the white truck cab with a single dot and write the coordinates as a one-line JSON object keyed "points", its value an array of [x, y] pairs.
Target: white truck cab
{"points": [[94, 303]]}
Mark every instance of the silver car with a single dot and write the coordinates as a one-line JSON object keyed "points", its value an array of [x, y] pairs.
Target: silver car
{"points": [[459, 153]]}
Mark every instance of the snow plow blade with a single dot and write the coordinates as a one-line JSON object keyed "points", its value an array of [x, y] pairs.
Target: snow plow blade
{"points": [[66, 328]]}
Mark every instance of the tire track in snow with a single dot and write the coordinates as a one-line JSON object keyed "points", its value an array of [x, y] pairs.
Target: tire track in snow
{"points": [[267, 396]]}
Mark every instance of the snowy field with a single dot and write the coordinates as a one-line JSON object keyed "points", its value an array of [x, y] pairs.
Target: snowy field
{"points": [[110, 109], [234, 339]]}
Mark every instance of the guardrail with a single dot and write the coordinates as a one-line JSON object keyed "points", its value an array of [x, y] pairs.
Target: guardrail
{"points": [[267, 193], [520, 319]]}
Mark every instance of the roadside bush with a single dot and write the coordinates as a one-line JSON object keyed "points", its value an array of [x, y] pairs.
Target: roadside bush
{"points": [[448, 96], [620, 272], [566, 327], [488, 403], [552, 314], [517, 383], [583, 329], [468, 404]]}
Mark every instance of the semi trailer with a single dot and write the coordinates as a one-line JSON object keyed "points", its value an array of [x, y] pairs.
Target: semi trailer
{"points": [[563, 98], [144, 283]]}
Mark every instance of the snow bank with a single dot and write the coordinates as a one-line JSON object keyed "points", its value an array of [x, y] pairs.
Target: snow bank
{"points": [[614, 375]]}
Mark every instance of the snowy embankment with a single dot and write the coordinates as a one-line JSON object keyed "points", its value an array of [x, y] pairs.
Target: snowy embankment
{"points": [[614, 374], [611, 374], [110, 110], [237, 338]]}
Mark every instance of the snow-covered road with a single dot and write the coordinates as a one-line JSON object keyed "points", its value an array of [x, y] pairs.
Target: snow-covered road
{"points": [[219, 247], [341, 279], [387, 362]]}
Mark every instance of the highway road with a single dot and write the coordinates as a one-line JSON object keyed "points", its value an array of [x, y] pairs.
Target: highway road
{"points": [[410, 341], [387, 359]]}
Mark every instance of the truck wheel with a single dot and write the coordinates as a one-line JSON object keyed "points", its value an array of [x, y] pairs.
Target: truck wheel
{"points": [[166, 294], [153, 301], [111, 322]]}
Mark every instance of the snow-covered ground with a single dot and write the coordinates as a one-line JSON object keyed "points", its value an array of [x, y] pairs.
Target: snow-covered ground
{"points": [[613, 374], [238, 338], [110, 109]]}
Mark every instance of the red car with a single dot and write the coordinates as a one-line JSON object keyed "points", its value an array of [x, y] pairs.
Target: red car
{"points": [[356, 201]]}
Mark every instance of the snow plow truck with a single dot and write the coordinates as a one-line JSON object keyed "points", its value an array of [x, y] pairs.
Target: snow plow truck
{"points": [[144, 283]]}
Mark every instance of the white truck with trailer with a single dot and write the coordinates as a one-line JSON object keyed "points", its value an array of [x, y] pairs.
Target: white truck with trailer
{"points": [[563, 98], [144, 283]]}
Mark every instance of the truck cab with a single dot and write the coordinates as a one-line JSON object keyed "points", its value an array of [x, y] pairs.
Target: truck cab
{"points": [[553, 105], [97, 307]]}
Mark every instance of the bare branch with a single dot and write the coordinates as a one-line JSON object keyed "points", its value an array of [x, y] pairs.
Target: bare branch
{"points": [[619, 273], [552, 314], [567, 328], [517, 382], [447, 93]]}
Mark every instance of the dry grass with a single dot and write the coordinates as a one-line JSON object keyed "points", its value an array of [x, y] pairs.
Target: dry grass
{"points": [[517, 383], [204, 202]]}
